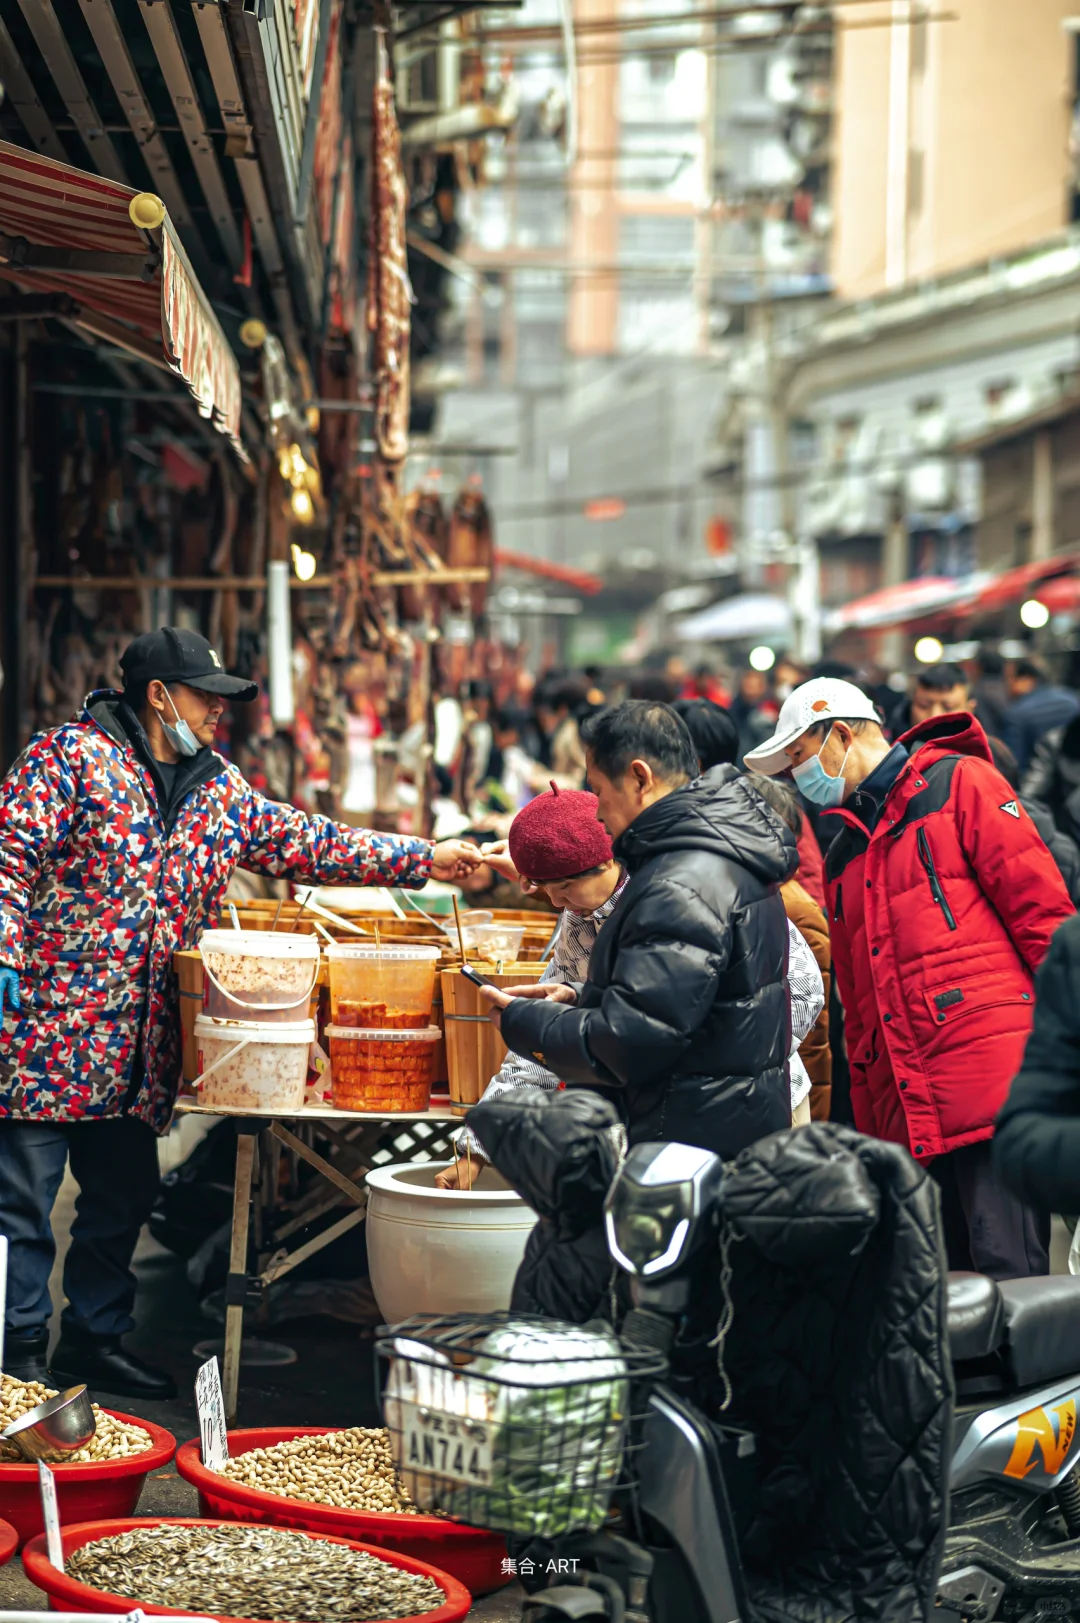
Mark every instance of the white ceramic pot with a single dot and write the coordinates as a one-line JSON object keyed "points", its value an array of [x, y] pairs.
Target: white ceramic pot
{"points": [[442, 1250]]}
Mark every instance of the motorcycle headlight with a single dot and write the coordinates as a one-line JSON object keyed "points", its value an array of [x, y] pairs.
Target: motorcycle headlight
{"points": [[660, 1206], [647, 1228]]}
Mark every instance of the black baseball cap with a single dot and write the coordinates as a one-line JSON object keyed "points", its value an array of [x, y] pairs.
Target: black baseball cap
{"points": [[173, 655]]}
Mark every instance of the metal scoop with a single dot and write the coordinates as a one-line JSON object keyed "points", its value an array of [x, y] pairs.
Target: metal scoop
{"points": [[60, 1425]]}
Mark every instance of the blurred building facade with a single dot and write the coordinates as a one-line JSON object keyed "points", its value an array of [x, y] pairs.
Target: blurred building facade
{"points": [[745, 329], [621, 268]]}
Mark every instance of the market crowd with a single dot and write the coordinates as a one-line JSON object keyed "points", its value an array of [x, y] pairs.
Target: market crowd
{"points": [[799, 896], [784, 898]]}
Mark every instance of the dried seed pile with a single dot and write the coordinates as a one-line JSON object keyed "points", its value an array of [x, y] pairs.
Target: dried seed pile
{"points": [[113, 1440], [352, 1469], [260, 1572]]}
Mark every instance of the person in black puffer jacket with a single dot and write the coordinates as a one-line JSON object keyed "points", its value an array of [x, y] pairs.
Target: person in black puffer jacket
{"points": [[1061, 846], [1037, 1139], [684, 1020]]}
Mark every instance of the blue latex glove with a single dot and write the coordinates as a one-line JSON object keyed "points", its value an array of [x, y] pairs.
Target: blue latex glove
{"points": [[9, 990]]}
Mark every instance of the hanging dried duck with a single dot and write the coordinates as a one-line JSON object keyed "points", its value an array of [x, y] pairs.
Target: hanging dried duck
{"points": [[427, 539], [471, 547], [390, 293]]}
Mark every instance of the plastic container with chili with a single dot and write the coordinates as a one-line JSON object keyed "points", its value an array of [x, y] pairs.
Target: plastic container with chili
{"points": [[378, 1069], [390, 988]]}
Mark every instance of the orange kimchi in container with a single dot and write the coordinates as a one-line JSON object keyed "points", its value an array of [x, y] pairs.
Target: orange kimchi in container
{"points": [[377, 1068]]}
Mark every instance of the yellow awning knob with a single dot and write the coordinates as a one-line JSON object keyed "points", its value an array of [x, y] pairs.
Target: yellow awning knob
{"points": [[146, 210], [253, 333]]}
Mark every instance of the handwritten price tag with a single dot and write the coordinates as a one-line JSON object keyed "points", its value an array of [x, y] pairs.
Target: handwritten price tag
{"points": [[210, 1402], [51, 1515]]}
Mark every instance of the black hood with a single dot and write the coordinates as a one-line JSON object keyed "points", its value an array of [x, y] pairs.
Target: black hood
{"points": [[103, 707], [720, 813]]}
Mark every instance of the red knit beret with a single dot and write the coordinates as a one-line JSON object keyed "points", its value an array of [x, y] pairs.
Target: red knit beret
{"points": [[557, 835]]}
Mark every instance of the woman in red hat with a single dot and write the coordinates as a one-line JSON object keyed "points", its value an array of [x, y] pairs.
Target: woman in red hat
{"points": [[556, 844]]}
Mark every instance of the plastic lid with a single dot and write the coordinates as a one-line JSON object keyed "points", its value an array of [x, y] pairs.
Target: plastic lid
{"points": [[255, 1031], [382, 1034], [259, 944], [399, 953]]}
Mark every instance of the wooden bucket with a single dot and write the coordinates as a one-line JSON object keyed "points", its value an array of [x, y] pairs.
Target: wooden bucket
{"points": [[189, 973], [440, 1073], [474, 1049]]}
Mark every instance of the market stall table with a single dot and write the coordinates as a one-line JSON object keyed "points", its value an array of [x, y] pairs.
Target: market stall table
{"points": [[243, 1289]]}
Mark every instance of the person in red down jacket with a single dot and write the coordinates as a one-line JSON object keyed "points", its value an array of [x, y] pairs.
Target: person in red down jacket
{"points": [[942, 900]]}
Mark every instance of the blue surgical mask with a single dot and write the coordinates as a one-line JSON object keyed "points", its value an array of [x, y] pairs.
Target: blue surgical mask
{"points": [[818, 785], [181, 737]]}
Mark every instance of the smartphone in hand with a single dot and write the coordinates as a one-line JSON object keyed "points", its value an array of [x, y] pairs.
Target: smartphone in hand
{"points": [[475, 976]]}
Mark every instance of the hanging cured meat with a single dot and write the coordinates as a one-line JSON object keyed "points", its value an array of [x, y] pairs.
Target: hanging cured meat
{"points": [[425, 538], [389, 292], [471, 547]]}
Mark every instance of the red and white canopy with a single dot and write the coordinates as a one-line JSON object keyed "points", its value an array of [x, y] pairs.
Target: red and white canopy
{"points": [[64, 230], [909, 601]]}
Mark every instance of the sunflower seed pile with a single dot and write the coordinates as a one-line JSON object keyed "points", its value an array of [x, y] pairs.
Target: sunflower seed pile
{"points": [[352, 1469], [257, 1572], [113, 1440]]}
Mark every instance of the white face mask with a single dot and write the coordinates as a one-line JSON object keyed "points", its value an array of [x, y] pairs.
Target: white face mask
{"points": [[181, 737]]}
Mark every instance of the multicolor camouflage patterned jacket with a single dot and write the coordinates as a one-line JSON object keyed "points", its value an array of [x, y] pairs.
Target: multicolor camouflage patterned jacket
{"points": [[97, 893]]}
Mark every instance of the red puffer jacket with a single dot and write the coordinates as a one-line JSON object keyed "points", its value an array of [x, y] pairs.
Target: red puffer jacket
{"points": [[938, 921]]}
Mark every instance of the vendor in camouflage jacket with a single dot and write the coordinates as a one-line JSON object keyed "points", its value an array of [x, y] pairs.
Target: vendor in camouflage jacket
{"points": [[119, 832]]}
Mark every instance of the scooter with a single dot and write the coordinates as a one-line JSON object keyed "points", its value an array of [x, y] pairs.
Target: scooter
{"points": [[669, 1549]]}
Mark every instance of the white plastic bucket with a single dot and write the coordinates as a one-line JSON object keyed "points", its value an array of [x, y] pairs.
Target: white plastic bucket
{"points": [[252, 1066], [258, 975]]}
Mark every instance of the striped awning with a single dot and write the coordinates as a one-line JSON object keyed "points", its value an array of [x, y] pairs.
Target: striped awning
{"points": [[66, 231], [1011, 586], [907, 603]]}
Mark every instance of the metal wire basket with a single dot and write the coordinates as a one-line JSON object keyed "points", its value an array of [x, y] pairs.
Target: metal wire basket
{"points": [[514, 1423]]}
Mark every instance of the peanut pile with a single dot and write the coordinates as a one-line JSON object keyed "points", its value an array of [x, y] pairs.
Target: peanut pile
{"points": [[352, 1469], [113, 1440]]}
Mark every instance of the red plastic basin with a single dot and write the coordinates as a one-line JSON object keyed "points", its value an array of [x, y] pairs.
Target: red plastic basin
{"points": [[110, 1488], [471, 1554], [9, 1542], [69, 1595]]}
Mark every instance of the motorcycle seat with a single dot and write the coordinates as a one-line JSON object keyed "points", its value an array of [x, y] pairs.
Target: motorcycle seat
{"points": [[976, 1316], [1029, 1327], [1042, 1327]]}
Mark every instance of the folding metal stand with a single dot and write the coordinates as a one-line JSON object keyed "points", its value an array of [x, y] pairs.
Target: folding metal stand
{"points": [[361, 1136]]}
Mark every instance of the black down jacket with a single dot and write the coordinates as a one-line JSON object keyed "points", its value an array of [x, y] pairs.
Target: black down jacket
{"points": [[684, 1019], [1037, 1142], [837, 1352], [838, 1360], [560, 1152]]}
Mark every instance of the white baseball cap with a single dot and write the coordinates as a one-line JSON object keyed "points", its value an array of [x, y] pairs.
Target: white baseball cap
{"points": [[826, 698]]}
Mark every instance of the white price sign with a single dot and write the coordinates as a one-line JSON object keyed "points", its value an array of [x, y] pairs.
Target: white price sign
{"points": [[51, 1515], [210, 1402]]}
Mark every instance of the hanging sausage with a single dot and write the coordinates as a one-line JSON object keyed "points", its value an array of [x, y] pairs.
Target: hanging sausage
{"points": [[390, 293]]}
